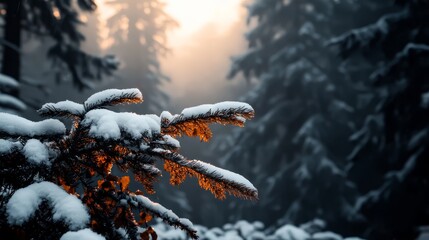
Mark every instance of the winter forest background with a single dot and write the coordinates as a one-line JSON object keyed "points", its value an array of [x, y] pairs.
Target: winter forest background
{"points": [[340, 88]]}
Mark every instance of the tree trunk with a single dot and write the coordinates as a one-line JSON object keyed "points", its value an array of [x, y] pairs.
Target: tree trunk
{"points": [[11, 65]]}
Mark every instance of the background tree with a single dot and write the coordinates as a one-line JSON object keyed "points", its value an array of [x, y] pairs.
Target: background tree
{"points": [[307, 104], [8, 102], [58, 22], [51, 175], [139, 32], [395, 135]]}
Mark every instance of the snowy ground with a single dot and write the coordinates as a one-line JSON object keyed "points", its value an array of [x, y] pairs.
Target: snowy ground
{"points": [[243, 230]]}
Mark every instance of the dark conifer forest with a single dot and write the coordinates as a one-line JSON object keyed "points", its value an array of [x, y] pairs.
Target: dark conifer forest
{"points": [[209, 119]]}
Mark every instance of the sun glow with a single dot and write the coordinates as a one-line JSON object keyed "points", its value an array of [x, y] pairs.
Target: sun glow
{"points": [[191, 15], [194, 15]]}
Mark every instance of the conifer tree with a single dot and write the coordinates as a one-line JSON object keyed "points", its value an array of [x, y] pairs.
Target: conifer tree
{"points": [[297, 148], [58, 183], [394, 138], [139, 32], [57, 22]]}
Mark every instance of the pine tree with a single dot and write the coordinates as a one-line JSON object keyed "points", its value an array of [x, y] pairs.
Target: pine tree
{"points": [[296, 150], [139, 32], [58, 182], [58, 22], [395, 135]]}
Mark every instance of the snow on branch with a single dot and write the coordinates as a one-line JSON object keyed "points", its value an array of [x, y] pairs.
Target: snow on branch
{"points": [[84, 234], [106, 124], [411, 54], [216, 180], [81, 162], [8, 82], [11, 102], [36, 152], [25, 201], [7, 147], [195, 121], [11, 125], [62, 109], [368, 35], [165, 214], [112, 97]]}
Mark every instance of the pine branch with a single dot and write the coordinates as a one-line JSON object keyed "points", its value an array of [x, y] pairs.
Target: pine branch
{"points": [[99, 140], [194, 122], [218, 181], [113, 97], [165, 214], [14, 126], [67, 109]]}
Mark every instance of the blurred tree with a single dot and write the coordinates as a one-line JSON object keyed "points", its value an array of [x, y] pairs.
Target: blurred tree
{"points": [[8, 102], [91, 29], [139, 32], [396, 134], [57, 21], [303, 103], [59, 182], [297, 148]]}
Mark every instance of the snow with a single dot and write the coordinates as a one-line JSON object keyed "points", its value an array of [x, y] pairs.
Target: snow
{"points": [[111, 61], [7, 146], [417, 139], [105, 97], [25, 201], [168, 140], [425, 100], [84, 234], [212, 108], [6, 81], [326, 235], [225, 174], [12, 102], [403, 56], [170, 234], [291, 232], [18, 126], [108, 125], [245, 228], [36, 152], [162, 211], [167, 115], [365, 35], [63, 106], [235, 231]]}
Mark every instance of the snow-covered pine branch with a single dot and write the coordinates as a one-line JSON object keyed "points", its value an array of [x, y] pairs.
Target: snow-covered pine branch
{"points": [[8, 102], [62, 109], [167, 215], [112, 97], [14, 126], [370, 35], [25, 201], [80, 160], [400, 65], [195, 121], [216, 180]]}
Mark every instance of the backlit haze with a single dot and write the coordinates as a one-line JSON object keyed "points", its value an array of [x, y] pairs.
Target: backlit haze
{"points": [[209, 33]]}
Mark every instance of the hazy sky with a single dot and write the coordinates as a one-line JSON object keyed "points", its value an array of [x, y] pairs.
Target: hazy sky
{"points": [[210, 32], [200, 59]]}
